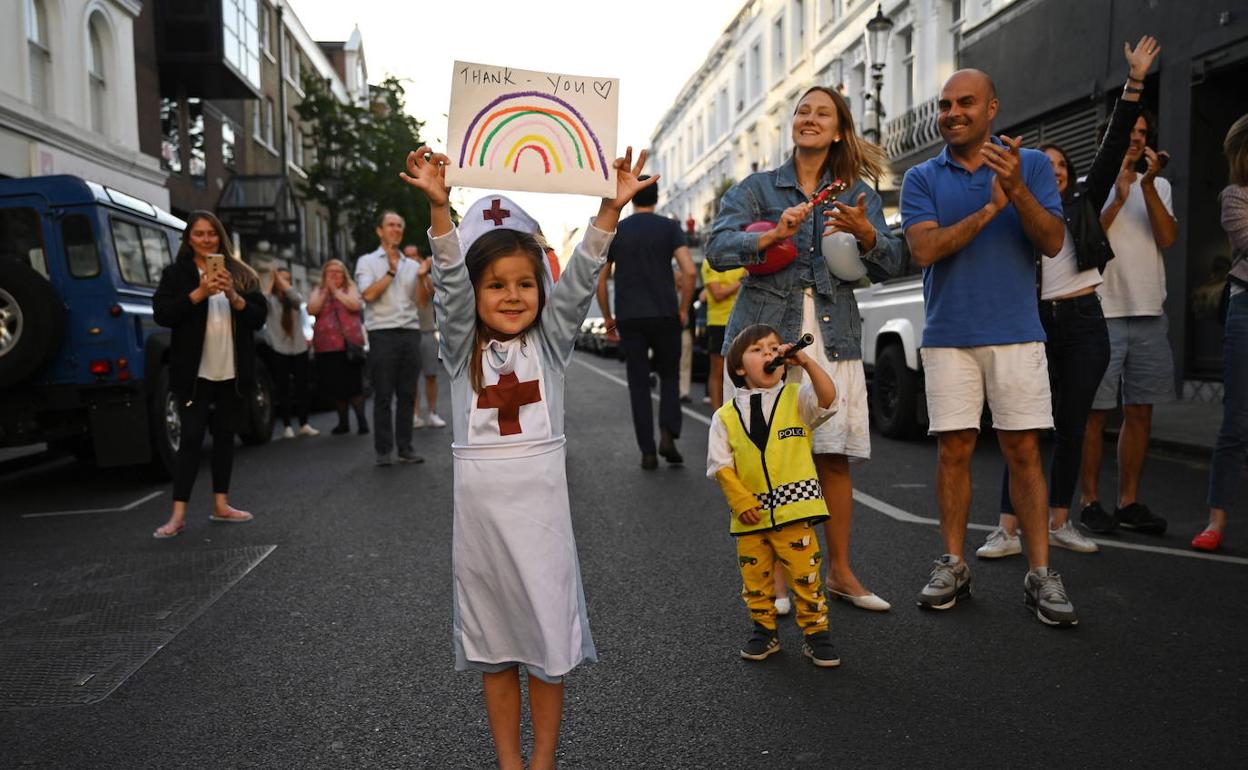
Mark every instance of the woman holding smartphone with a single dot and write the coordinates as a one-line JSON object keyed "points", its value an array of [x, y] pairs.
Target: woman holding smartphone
{"points": [[212, 302]]}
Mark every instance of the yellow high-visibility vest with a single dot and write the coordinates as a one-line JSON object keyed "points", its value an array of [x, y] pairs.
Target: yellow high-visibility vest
{"points": [[782, 476]]}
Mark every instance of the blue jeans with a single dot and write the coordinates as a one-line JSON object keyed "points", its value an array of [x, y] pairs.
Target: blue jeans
{"points": [[1077, 346], [1232, 446]]}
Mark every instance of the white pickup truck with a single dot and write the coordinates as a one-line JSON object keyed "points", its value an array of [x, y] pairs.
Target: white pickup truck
{"points": [[892, 328]]}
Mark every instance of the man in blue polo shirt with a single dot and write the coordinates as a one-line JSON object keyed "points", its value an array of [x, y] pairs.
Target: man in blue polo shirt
{"points": [[974, 217]]}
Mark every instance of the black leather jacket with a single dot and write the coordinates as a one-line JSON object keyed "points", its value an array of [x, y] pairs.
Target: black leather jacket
{"points": [[1081, 206], [172, 307]]}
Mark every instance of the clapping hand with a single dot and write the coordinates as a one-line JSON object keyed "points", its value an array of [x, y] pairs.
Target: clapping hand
{"points": [[426, 171], [1005, 162]]}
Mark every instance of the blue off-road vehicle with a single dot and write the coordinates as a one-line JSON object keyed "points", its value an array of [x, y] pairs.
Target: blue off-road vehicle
{"points": [[83, 366]]}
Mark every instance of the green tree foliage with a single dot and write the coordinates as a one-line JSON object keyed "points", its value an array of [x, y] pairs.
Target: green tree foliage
{"points": [[358, 154]]}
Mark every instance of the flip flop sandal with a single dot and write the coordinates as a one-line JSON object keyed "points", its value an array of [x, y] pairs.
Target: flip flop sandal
{"points": [[245, 517], [166, 535]]}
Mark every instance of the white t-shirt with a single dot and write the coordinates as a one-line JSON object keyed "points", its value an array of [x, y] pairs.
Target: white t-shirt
{"points": [[1135, 279], [1061, 276], [396, 307], [216, 363]]}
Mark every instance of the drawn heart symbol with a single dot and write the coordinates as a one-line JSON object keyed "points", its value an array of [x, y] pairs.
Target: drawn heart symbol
{"points": [[602, 88]]}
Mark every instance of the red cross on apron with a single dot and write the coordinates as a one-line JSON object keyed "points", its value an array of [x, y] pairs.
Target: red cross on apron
{"points": [[507, 396]]}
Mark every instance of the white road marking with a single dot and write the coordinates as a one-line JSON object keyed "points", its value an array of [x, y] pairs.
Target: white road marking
{"points": [[894, 512], [127, 507]]}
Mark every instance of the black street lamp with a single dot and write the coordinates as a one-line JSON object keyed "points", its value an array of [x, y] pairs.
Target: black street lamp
{"points": [[878, 29]]}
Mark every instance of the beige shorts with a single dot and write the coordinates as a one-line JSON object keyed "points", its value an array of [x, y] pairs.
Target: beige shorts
{"points": [[1014, 379]]}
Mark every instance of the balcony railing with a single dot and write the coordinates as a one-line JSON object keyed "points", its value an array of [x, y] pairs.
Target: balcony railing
{"points": [[914, 130]]}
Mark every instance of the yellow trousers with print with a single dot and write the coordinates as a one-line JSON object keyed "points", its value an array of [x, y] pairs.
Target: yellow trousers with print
{"points": [[794, 549]]}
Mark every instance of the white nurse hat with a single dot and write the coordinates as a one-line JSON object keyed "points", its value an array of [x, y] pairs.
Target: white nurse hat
{"points": [[493, 212]]}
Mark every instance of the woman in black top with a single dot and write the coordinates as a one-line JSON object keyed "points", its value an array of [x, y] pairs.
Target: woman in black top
{"points": [[1076, 338], [213, 316]]}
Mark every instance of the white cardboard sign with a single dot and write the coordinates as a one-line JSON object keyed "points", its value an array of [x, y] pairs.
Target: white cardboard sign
{"points": [[514, 129]]}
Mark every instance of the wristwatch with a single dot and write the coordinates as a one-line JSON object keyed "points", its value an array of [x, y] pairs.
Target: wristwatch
{"points": [[390, 273]]}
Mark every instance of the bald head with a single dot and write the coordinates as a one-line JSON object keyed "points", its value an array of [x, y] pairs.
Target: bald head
{"points": [[967, 105], [973, 78]]}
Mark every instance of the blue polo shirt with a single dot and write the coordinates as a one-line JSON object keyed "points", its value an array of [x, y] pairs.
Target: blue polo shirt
{"points": [[984, 294]]}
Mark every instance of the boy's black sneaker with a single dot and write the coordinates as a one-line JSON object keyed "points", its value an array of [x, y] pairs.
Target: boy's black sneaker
{"points": [[762, 642], [818, 647], [1096, 519], [1137, 516]]}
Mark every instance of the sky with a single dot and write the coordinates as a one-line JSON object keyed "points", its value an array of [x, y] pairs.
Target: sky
{"points": [[652, 46]]}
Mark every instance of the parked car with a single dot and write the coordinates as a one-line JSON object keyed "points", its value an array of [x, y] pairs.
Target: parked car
{"points": [[83, 365], [892, 329]]}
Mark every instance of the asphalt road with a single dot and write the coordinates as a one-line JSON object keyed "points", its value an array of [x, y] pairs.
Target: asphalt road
{"points": [[319, 635]]}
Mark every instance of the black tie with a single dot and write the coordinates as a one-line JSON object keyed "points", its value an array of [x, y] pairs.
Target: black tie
{"points": [[758, 422]]}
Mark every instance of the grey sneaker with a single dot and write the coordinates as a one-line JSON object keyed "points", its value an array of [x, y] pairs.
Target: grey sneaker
{"points": [[1044, 594], [384, 459], [408, 456], [999, 543], [1066, 536], [950, 581]]}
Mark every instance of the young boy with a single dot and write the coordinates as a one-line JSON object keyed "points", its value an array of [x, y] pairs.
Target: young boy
{"points": [[760, 453]]}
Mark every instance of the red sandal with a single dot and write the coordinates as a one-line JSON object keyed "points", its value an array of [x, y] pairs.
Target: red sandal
{"points": [[1209, 540]]}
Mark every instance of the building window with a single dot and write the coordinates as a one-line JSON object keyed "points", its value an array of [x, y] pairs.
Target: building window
{"points": [[265, 27], [197, 164], [97, 83], [797, 15], [241, 21], [723, 111], [290, 141], [955, 28], [756, 70], [268, 122], [740, 84], [907, 65], [228, 156], [777, 48], [297, 146], [827, 11], [291, 66], [170, 136], [40, 54]]}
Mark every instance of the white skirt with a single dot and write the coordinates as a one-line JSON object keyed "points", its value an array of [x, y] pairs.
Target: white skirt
{"points": [[518, 593]]}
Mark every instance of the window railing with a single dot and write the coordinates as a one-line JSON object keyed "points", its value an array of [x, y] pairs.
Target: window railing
{"points": [[913, 130]]}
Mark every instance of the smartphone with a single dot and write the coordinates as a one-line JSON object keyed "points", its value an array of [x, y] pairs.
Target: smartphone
{"points": [[1163, 158], [215, 263]]}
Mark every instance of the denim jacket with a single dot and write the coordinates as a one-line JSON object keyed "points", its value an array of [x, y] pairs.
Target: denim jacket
{"points": [[776, 299]]}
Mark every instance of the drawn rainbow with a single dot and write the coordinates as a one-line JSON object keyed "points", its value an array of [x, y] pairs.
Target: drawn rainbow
{"points": [[519, 122]]}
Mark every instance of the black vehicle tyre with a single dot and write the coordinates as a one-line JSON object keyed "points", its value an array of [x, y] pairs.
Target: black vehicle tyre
{"points": [[258, 413], [32, 322], [894, 392], [165, 424]]}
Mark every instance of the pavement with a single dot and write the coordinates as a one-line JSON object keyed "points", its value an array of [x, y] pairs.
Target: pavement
{"points": [[319, 634], [1181, 426]]}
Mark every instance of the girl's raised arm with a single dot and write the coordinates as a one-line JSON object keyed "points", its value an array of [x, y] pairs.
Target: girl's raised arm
{"points": [[453, 299], [565, 310]]}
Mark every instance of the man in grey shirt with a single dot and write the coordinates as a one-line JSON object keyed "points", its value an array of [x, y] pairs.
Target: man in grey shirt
{"points": [[388, 282]]}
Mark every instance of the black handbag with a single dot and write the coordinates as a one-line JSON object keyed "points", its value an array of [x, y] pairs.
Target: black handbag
{"points": [[355, 351]]}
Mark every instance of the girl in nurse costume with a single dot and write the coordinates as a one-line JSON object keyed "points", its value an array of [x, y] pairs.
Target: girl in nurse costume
{"points": [[506, 338]]}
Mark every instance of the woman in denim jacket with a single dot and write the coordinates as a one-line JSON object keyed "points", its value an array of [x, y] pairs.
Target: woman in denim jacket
{"points": [[806, 297]]}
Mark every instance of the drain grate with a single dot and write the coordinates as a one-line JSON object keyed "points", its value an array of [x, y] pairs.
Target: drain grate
{"points": [[70, 636]]}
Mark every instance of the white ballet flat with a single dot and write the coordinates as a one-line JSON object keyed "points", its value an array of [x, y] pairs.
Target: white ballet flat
{"points": [[864, 602]]}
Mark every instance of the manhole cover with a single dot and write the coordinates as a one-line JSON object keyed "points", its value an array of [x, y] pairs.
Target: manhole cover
{"points": [[70, 635]]}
